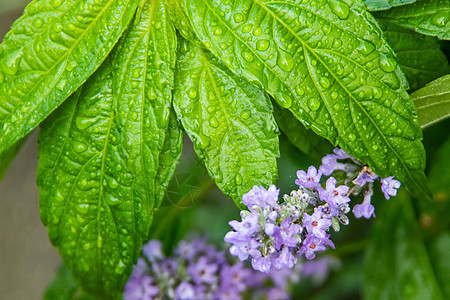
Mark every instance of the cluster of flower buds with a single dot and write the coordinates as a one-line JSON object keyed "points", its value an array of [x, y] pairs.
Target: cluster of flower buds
{"points": [[198, 271], [274, 235]]}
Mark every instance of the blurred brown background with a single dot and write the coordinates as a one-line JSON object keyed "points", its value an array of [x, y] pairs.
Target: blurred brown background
{"points": [[27, 259]]}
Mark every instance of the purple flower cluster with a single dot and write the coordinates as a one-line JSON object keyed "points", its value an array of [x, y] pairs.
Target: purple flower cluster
{"points": [[274, 235], [199, 271]]}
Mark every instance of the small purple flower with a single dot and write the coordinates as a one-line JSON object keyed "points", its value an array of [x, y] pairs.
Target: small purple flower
{"points": [[285, 234], [341, 154], [316, 224], [202, 271], [140, 289], [262, 263], [259, 196], [389, 186], [242, 248], [186, 250], [365, 209], [285, 260], [185, 291], [234, 277], [330, 163], [227, 294], [248, 226], [333, 195], [153, 250], [313, 244], [310, 179]]}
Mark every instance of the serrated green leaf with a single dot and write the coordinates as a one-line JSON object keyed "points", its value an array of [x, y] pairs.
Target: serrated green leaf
{"points": [[327, 63], [99, 153], [304, 139], [433, 101], [419, 56], [7, 156], [397, 263], [385, 4], [169, 157], [229, 121], [144, 63], [49, 52], [431, 17]]}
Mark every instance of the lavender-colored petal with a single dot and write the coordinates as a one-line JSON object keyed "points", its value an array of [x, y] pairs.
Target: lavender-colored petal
{"points": [[389, 186], [310, 179], [285, 259], [262, 264], [153, 250], [202, 271], [185, 291], [259, 196], [248, 226]]}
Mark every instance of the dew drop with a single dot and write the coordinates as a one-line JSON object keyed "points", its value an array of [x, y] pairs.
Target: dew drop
{"points": [[82, 208], [337, 43], [10, 63], [213, 122], [257, 31], [71, 65], [113, 183], [352, 137], [374, 147], [285, 61], [79, 147], [38, 22], [120, 268], [340, 9], [56, 3], [245, 114], [440, 18], [285, 100], [326, 29], [377, 92], [84, 122], [111, 200], [300, 91], [247, 56], [334, 95], [238, 17], [262, 45], [218, 31], [324, 82], [238, 179], [313, 104], [387, 64], [246, 28], [366, 47], [192, 92]]}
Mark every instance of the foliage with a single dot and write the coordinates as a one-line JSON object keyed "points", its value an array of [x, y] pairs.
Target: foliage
{"points": [[113, 84]]}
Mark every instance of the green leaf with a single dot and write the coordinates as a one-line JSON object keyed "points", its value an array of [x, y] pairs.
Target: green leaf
{"points": [[304, 139], [397, 263], [431, 17], [229, 121], [419, 56], [326, 63], [7, 156], [385, 4], [181, 22], [49, 52], [144, 63], [99, 153], [433, 101], [169, 157]]}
